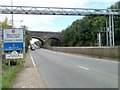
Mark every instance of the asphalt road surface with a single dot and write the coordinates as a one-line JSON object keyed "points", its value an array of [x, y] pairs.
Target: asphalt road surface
{"points": [[61, 70]]}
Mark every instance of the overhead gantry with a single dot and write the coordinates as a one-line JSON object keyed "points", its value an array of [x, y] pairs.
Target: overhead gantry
{"points": [[56, 11]]}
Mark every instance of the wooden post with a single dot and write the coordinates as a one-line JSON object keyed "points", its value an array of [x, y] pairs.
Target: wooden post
{"points": [[9, 63], [20, 61]]}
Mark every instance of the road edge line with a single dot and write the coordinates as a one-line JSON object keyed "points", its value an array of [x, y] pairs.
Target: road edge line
{"points": [[32, 60]]}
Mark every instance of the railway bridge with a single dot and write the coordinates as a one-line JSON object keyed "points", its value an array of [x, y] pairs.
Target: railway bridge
{"points": [[43, 36]]}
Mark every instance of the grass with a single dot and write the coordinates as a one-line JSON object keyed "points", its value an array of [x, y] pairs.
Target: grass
{"points": [[0, 80], [9, 73]]}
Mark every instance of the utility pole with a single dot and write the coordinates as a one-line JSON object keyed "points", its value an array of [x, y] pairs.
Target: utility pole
{"points": [[99, 36], [12, 14], [110, 29]]}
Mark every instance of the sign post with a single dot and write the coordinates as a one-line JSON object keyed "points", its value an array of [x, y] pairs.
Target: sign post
{"points": [[13, 43]]}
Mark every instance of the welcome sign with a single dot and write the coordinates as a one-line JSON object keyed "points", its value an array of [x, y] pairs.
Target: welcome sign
{"points": [[13, 35]]}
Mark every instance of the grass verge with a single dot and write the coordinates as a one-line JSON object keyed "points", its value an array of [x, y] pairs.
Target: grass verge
{"points": [[9, 73], [0, 81]]}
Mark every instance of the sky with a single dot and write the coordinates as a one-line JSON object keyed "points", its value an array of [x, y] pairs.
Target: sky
{"points": [[47, 22]]}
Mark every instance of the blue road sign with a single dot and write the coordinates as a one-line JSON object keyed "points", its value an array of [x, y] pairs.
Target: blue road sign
{"points": [[14, 46]]}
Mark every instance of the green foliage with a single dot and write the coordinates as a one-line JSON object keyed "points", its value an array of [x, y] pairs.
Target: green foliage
{"points": [[38, 43], [0, 80], [27, 37], [5, 24], [117, 24], [84, 32], [9, 74], [52, 42], [80, 33]]}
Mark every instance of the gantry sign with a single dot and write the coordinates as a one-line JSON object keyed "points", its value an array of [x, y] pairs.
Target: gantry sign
{"points": [[109, 13]]}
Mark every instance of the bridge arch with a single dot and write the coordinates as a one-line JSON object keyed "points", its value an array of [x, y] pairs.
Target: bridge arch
{"points": [[55, 38], [57, 41], [43, 36], [40, 39]]}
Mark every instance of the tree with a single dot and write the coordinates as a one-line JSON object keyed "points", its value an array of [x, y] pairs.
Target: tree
{"points": [[84, 32], [38, 43], [5, 24], [53, 42], [27, 37]]}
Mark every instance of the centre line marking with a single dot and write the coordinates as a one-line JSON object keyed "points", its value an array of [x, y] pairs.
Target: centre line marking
{"points": [[83, 67]]}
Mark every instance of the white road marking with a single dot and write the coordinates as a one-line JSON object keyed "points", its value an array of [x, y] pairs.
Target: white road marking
{"points": [[107, 60], [83, 67], [32, 60]]}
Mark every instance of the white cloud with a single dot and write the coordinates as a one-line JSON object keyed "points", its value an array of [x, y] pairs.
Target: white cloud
{"points": [[43, 3], [51, 3], [44, 28], [33, 20], [103, 0]]}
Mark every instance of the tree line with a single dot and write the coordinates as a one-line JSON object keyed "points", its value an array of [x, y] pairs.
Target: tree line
{"points": [[83, 32]]}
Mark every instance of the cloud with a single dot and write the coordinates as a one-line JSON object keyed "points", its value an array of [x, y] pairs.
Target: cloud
{"points": [[51, 3], [43, 3], [44, 28], [103, 0]]}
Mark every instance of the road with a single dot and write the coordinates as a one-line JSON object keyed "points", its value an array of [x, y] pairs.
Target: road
{"points": [[61, 70]]}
